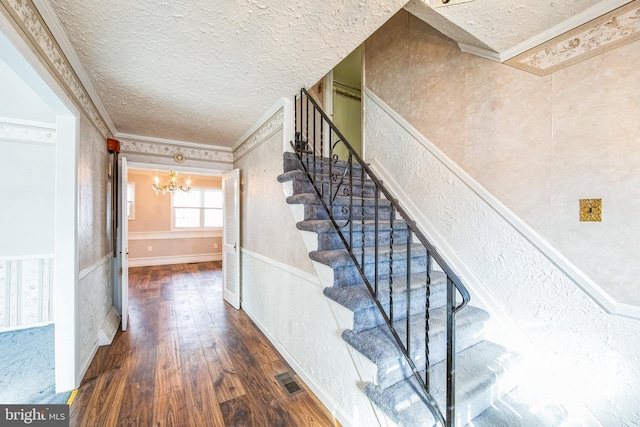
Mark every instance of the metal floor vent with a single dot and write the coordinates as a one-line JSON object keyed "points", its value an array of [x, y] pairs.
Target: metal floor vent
{"points": [[290, 386]]}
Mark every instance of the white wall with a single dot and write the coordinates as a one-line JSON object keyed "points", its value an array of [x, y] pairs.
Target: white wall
{"points": [[538, 144], [581, 353], [27, 172], [18, 100], [281, 291]]}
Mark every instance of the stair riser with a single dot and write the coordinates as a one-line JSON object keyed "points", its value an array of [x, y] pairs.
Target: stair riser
{"points": [[318, 212], [349, 275], [370, 317], [301, 186], [394, 369], [331, 240]]}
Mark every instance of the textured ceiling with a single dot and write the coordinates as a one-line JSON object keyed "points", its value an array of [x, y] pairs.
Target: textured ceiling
{"points": [[204, 71], [502, 25]]}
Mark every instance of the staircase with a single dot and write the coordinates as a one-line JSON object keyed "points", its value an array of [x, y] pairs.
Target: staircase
{"points": [[410, 312], [483, 368]]}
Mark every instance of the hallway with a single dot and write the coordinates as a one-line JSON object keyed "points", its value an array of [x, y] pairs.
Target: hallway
{"points": [[189, 359]]}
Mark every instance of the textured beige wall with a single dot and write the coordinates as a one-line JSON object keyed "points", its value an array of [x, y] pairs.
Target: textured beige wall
{"points": [[94, 234], [153, 214], [267, 225], [539, 144]]}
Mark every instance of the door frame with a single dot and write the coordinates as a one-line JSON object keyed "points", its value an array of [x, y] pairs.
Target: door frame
{"points": [[66, 266]]}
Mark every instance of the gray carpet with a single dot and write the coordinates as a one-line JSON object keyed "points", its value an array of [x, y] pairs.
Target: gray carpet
{"points": [[27, 370]]}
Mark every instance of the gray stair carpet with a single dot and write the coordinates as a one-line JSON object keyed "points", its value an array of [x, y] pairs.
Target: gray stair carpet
{"points": [[485, 371]]}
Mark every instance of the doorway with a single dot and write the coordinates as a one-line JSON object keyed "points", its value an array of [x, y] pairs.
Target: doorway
{"points": [[38, 219]]}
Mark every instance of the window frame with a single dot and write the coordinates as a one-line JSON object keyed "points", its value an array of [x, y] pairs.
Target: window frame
{"points": [[131, 209], [201, 208]]}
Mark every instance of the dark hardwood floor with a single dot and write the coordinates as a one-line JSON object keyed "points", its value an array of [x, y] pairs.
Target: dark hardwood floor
{"points": [[189, 359]]}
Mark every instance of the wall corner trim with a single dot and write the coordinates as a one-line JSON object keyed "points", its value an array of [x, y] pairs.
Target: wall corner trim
{"points": [[593, 290]]}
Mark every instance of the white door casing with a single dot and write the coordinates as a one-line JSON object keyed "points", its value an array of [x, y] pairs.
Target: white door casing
{"points": [[231, 238], [124, 244]]}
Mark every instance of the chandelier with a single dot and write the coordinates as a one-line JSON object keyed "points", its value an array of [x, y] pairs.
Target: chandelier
{"points": [[172, 186]]}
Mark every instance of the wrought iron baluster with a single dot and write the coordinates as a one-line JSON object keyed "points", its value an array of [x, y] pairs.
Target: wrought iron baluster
{"points": [[375, 237], [362, 235], [296, 142], [408, 289], [313, 154], [331, 171], [391, 215], [307, 134], [322, 158], [350, 165], [427, 311]]}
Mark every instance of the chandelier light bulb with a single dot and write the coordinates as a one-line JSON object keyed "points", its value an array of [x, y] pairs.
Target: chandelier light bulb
{"points": [[172, 186]]}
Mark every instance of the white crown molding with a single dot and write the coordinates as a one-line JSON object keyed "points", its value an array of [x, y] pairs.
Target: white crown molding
{"points": [[57, 30], [158, 149], [585, 16], [162, 235], [36, 32], [264, 132], [592, 289], [480, 51], [174, 142], [259, 123]]}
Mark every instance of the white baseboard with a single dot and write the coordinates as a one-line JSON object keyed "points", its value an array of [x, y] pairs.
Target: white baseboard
{"points": [[87, 362], [176, 259], [109, 327], [326, 400]]}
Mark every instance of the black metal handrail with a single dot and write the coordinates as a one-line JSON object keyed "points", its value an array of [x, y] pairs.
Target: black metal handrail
{"points": [[317, 135]]}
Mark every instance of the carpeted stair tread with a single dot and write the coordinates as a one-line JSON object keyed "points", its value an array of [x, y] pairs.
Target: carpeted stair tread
{"points": [[379, 346], [326, 226], [340, 257], [357, 297], [313, 199], [291, 175], [322, 175], [366, 314], [484, 372], [515, 410]]}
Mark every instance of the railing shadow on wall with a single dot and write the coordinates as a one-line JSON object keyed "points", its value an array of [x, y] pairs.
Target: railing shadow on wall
{"points": [[26, 291]]}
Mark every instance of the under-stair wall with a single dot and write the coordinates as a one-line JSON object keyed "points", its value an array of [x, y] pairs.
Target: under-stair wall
{"points": [[579, 352], [281, 291]]}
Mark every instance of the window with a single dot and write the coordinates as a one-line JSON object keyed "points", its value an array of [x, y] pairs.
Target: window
{"points": [[131, 200], [199, 208]]}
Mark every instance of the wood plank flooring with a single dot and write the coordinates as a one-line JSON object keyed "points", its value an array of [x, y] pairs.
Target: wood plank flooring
{"points": [[189, 359]]}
